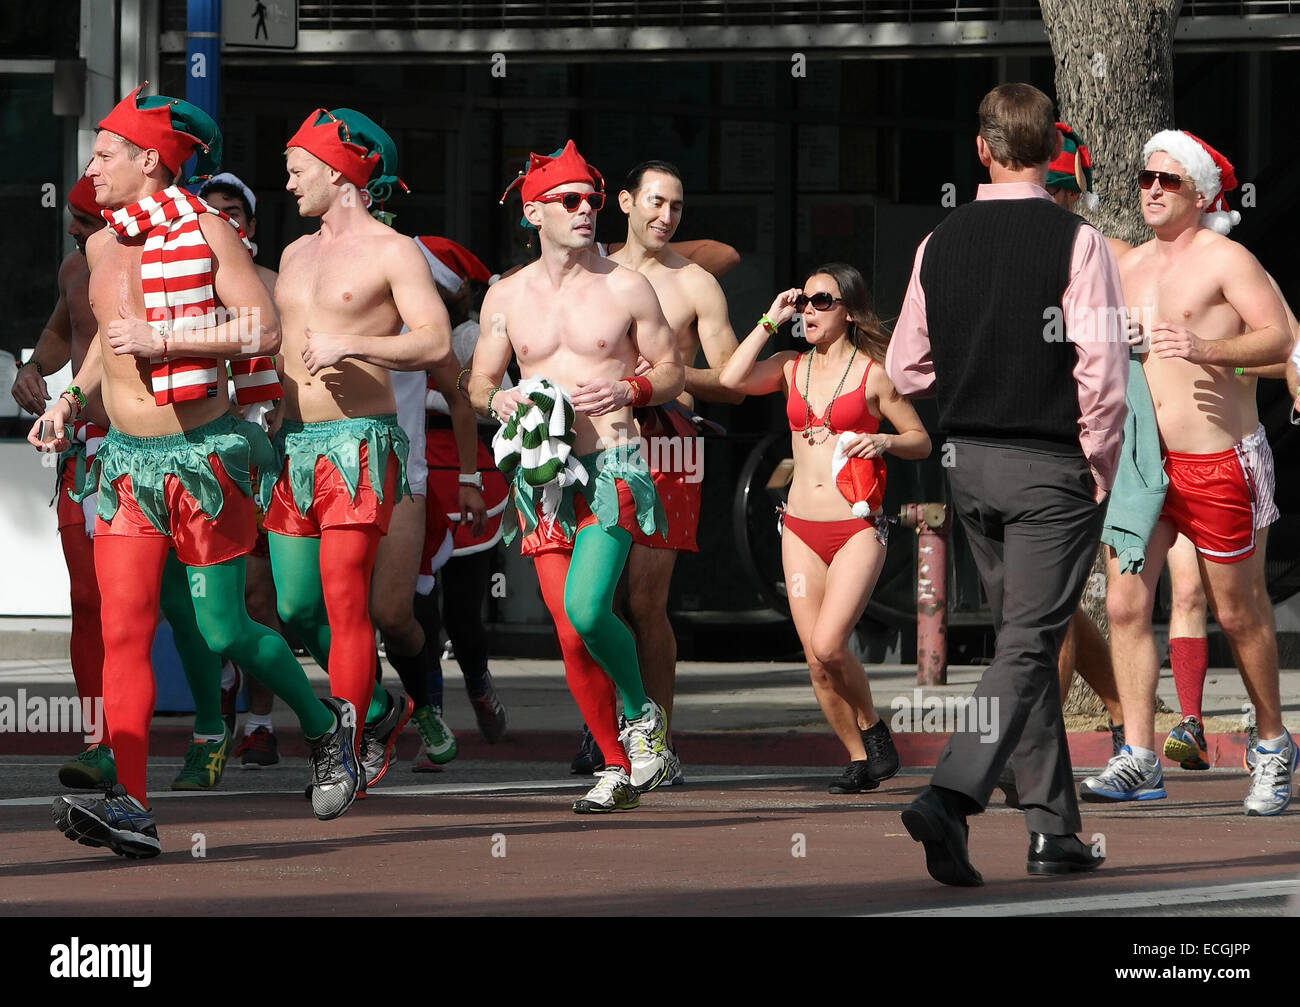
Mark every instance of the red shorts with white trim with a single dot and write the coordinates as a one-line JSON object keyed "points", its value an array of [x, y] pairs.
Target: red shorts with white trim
{"points": [[1211, 499], [198, 539], [1259, 457]]}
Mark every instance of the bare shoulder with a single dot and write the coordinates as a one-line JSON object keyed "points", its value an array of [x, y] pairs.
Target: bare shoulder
{"points": [[505, 291], [72, 269], [699, 283], [398, 251], [221, 234], [97, 244], [294, 249], [1118, 247], [267, 276], [878, 382], [1137, 259], [1225, 253], [622, 280]]}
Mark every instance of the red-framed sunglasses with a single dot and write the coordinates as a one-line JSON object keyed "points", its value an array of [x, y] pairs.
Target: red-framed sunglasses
{"points": [[572, 200]]}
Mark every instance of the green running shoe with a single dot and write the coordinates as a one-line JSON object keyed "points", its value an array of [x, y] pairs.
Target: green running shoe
{"points": [[93, 769], [204, 764], [439, 742]]}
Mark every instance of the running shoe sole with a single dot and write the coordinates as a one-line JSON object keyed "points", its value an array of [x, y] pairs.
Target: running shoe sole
{"points": [[1186, 753], [582, 806], [1116, 797]]}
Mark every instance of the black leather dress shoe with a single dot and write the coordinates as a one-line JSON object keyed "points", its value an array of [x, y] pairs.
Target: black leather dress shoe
{"points": [[943, 833], [1060, 855]]}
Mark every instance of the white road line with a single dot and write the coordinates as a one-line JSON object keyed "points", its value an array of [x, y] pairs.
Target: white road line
{"points": [[1128, 900], [431, 790]]}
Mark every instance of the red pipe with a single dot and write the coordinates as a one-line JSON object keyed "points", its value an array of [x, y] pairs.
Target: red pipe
{"points": [[931, 524]]}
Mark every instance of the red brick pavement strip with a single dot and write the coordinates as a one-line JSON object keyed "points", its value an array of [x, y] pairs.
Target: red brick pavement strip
{"points": [[703, 849], [721, 748]]}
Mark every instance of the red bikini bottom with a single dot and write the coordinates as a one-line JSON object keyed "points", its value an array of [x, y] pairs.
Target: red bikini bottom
{"points": [[825, 538]]}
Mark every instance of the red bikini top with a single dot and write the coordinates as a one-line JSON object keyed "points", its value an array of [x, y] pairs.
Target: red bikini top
{"points": [[847, 412]]}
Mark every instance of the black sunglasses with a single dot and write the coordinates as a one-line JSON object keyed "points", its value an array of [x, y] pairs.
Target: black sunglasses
{"points": [[820, 300]]}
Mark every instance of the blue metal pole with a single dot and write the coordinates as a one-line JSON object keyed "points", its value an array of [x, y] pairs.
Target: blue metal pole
{"points": [[203, 56]]}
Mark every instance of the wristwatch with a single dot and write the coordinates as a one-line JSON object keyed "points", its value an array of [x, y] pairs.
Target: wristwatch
{"points": [[474, 479]]}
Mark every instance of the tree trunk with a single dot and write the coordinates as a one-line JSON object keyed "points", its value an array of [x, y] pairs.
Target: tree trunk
{"points": [[1115, 86], [1081, 700]]}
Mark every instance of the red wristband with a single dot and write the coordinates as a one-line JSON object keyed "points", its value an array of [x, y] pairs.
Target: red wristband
{"points": [[642, 390]]}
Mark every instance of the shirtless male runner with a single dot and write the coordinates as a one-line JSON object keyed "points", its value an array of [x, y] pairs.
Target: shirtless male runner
{"points": [[1189, 653], [173, 470], [581, 322], [696, 310], [344, 293], [1211, 309], [66, 337]]}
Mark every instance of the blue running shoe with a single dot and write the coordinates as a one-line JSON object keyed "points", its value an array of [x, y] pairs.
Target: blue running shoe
{"points": [[1125, 778], [116, 821], [1186, 745]]}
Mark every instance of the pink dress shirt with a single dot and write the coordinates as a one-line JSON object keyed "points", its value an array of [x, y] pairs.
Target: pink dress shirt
{"points": [[1091, 305]]}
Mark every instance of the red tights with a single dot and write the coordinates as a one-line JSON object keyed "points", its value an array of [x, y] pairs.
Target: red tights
{"points": [[87, 649], [592, 689]]}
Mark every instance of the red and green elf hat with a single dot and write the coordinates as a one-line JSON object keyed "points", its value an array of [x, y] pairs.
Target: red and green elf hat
{"points": [[171, 126], [1072, 168]]}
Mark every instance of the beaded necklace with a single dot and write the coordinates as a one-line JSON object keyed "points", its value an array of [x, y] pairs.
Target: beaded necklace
{"points": [[808, 429]]}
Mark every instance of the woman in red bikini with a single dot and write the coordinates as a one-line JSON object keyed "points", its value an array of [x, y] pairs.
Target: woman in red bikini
{"points": [[832, 558]]}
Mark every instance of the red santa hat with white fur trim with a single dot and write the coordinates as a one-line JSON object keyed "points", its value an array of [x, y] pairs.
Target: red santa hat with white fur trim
{"points": [[860, 480], [1213, 173]]}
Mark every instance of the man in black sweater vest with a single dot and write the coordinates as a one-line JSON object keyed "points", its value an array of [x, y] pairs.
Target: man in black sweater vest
{"points": [[1013, 318]]}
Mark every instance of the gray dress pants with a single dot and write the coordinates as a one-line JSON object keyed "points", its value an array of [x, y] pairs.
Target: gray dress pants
{"points": [[1033, 529]]}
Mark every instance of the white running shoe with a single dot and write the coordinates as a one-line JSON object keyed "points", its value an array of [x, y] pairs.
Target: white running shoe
{"points": [[1125, 778], [613, 792], [1270, 785], [646, 743]]}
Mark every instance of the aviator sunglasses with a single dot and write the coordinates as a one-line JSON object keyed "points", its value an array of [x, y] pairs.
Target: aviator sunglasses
{"points": [[572, 200], [820, 300], [1168, 182]]}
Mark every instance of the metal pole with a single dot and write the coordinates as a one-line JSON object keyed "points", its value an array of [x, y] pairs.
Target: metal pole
{"points": [[931, 523], [203, 55]]}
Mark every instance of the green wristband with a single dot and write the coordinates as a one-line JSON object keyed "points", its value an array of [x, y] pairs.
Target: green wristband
{"points": [[768, 324], [491, 397], [1239, 370]]}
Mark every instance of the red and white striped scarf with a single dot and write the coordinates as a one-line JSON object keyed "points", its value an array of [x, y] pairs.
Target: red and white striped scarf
{"points": [[176, 276]]}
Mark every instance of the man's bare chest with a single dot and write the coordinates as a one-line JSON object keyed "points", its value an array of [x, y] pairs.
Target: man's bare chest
{"points": [[114, 289], [339, 282], [574, 329]]}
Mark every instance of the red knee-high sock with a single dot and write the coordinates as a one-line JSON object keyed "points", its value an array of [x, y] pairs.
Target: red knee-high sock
{"points": [[87, 646], [132, 566], [592, 689], [1189, 656], [347, 557]]}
